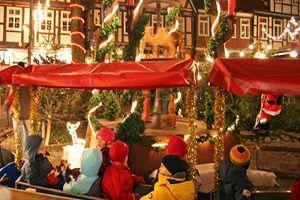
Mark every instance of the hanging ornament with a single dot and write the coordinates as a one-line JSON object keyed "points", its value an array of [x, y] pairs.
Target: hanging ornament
{"points": [[270, 106]]}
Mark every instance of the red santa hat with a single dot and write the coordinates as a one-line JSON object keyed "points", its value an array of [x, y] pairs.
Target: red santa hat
{"points": [[118, 152], [177, 146], [107, 134]]}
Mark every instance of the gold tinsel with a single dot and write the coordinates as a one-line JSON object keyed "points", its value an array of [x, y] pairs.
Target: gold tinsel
{"points": [[34, 117], [16, 115], [219, 109], [192, 142]]}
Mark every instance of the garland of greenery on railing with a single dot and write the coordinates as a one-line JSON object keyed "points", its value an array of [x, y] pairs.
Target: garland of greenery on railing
{"points": [[207, 6], [217, 40]]}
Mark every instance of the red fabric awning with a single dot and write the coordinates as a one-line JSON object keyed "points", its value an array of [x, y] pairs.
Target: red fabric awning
{"points": [[257, 76], [118, 75], [6, 73]]}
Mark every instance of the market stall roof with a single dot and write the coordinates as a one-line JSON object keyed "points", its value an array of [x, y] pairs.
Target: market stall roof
{"points": [[6, 74], [257, 76], [116, 75]]}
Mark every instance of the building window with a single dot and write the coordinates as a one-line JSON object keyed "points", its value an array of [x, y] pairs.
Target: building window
{"points": [[295, 2], [203, 25], [245, 28], [65, 21], [14, 17], [154, 22], [277, 27], [234, 31], [47, 24], [263, 25]]}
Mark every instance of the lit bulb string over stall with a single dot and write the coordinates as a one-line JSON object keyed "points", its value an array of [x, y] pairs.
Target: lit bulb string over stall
{"points": [[120, 76]]}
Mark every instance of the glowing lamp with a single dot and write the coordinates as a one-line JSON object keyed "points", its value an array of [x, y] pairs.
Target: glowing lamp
{"points": [[293, 54]]}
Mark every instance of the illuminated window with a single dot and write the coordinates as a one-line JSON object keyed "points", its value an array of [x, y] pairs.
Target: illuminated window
{"points": [[263, 25], [47, 25], [14, 17], [65, 21], [277, 27], [244, 28], [203, 25]]}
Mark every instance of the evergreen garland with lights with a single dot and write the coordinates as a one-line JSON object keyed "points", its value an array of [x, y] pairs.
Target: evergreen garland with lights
{"points": [[217, 40], [171, 16], [129, 52]]}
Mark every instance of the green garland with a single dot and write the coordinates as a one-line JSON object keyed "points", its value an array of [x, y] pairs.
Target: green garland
{"points": [[106, 31], [215, 41], [103, 51], [171, 16], [138, 33], [207, 5], [107, 3]]}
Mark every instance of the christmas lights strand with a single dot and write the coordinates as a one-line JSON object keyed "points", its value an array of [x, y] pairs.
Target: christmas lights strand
{"points": [[75, 5], [287, 30]]}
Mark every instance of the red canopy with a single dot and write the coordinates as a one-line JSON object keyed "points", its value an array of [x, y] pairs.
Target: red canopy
{"points": [[257, 76], [6, 74], [118, 75]]}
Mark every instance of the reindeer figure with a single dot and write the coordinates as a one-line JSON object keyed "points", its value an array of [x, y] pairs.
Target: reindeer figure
{"points": [[72, 131]]}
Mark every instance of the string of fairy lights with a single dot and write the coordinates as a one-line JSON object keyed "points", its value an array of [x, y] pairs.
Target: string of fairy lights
{"points": [[292, 32]]}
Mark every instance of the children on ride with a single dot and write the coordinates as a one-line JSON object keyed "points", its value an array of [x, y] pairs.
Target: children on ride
{"points": [[88, 179], [37, 167], [118, 182], [172, 184], [233, 173], [104, 139]]}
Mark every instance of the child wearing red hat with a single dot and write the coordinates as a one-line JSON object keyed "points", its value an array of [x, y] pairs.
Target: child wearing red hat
{"points": [[177, 146], [104, 139], [233, 174], [118, 182]]}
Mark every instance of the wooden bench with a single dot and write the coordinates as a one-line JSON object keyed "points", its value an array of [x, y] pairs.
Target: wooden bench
{"points": [[23, 186]]}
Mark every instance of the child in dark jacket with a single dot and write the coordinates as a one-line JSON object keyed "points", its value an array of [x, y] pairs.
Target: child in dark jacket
{"points": [[233, 173], [37, 167], [118, 182], [104, 139]]}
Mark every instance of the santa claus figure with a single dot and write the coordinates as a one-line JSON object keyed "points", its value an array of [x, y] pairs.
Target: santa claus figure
{"points": [[270, 106]]}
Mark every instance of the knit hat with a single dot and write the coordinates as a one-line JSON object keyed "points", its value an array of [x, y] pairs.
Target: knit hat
{"points": [[107, 134], [240, 155], [118, 152], [173, 164], [32, 146], [177, 146]]}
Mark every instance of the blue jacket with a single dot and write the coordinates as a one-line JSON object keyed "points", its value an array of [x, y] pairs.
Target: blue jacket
{"points": [[235, 183], [90, 165]]}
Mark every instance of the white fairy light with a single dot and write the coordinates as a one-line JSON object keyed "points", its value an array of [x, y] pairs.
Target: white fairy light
{"points": [[251, 46], [242, 54], [227, 54], [287, 30], [293, 54], [269, 47]]}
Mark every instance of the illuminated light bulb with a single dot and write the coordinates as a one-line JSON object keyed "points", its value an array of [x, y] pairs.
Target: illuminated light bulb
{"points": [[209, 59], [293, 54], [269, 47], [199, 77], [242, 54], [186, 137], [48, 47], [138, 58], [251, 46], [227, 54]]}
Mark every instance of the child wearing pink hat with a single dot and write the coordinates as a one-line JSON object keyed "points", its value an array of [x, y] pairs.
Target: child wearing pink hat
{"points": [[104, 139]]}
